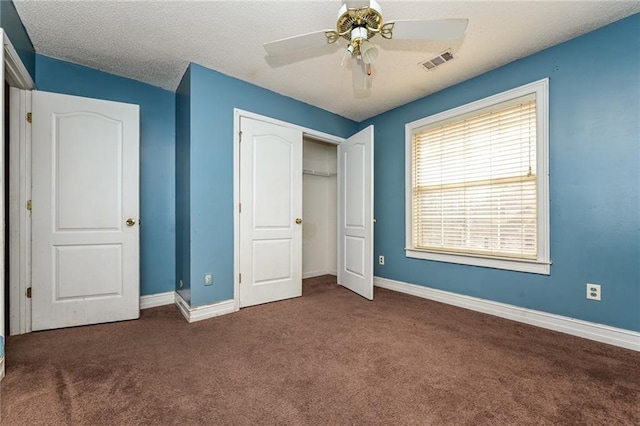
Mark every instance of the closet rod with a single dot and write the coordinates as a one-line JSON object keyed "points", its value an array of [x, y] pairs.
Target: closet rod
{"points": [[317, 173]]}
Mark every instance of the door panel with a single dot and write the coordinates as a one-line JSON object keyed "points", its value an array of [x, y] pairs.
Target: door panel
{"points": [[78, 159], [74, 272], [355, 215], [272, 181], [85, 167], [271, 200], [355, 186], [355, 256], [272, 261]]}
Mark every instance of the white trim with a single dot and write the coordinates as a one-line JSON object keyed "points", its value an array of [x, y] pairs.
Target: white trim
{"points": [[313, 134], [237, 114], [19, 216], [182, 306], [542, 265], [589, 330], [487, 262], [1, 367], [15, 71], [313, 274], [3, 218], [17, 76], [158, 299], [200, 313]]}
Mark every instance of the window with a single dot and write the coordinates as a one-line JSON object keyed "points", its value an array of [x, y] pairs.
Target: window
{"points": [[477, 183]]}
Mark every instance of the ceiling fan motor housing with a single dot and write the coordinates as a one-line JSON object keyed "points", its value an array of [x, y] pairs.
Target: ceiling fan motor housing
{"points": [[358, 35], [366, 20]]}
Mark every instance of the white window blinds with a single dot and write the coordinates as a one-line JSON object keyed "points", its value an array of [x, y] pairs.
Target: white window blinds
{"points": [[474, 182]]}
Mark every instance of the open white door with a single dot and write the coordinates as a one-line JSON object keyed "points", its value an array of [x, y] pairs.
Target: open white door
{"points": [[355, 213], [270, 212], [85, 178], [3, 219]]}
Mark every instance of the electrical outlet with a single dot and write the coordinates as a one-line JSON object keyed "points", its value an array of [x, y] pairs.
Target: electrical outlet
{"points": [[208, 279], [593, 292], [380, 260]]}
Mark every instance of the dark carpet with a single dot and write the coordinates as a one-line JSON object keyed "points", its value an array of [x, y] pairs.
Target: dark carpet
{"points": [[329, 357]]}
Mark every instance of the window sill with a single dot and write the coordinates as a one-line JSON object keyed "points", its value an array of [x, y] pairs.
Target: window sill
{"points": [[533, 267]]}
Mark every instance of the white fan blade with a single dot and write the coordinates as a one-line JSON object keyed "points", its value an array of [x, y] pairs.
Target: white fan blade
{"points": [[441, 29], [296, 43]]}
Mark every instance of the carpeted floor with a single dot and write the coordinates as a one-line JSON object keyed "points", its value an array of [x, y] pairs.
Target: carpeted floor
{"points": [[329, 357]]}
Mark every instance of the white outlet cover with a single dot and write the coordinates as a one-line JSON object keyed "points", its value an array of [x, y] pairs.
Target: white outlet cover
{"points": [[594, 292]]}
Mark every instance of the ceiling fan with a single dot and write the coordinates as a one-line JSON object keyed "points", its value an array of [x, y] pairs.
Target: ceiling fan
{"points": [[358, 22]]}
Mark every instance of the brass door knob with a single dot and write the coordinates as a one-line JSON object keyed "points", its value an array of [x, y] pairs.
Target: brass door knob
{"points": [[298, 221], [131, 221]]}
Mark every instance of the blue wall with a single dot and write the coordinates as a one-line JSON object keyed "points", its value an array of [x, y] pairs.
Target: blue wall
{"points": [[157, 158], [183, 184], [213, 98], [12, 24], [187, 140], [594, 181]]}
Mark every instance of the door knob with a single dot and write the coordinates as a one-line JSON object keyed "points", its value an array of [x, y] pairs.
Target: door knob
{"points": [[131, 221], [298, 221]]}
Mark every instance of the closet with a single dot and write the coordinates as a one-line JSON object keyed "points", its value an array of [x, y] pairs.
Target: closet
{"points": [[319, 208]]}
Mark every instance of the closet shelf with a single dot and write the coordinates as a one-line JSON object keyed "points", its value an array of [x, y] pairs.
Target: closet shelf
{"points": [[318, 173]]}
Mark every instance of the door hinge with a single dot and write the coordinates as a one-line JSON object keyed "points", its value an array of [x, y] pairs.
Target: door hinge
{"points": [[29, 293], [29, 117], [239, 278], [239, 207], [29, 205], [240, 135]]}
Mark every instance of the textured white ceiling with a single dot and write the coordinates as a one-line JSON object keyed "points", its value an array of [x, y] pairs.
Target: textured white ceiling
{"points": [[153, 41]]}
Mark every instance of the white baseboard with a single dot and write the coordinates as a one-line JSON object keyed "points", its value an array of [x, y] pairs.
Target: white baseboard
{"points": [[313, 274], [589, 330], [200, 313], [158, 299]]}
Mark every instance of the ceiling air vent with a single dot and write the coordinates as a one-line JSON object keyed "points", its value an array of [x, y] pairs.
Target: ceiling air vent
{"points": [[436, 61]]}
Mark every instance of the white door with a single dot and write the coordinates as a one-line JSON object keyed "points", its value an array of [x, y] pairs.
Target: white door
{"points": [[271, 212], [355, 213], [85, 235]]}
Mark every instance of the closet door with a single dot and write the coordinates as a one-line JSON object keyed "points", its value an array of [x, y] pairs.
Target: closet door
{"points": [[355, 213], [271, 212]]}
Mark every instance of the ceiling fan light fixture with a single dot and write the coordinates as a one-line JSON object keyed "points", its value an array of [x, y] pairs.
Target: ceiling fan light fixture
{"points": [[368, 52]]}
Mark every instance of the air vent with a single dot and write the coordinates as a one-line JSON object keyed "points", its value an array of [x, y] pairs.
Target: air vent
{"points": [[436, 61]]}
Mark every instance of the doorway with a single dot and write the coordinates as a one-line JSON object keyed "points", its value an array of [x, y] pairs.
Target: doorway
{"points": [[319, 208], [268, 195], [13, 73]]}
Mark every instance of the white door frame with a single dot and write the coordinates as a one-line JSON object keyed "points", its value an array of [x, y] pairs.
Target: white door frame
{"points": [[16, 74], [237, 114], [19, 216]]}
